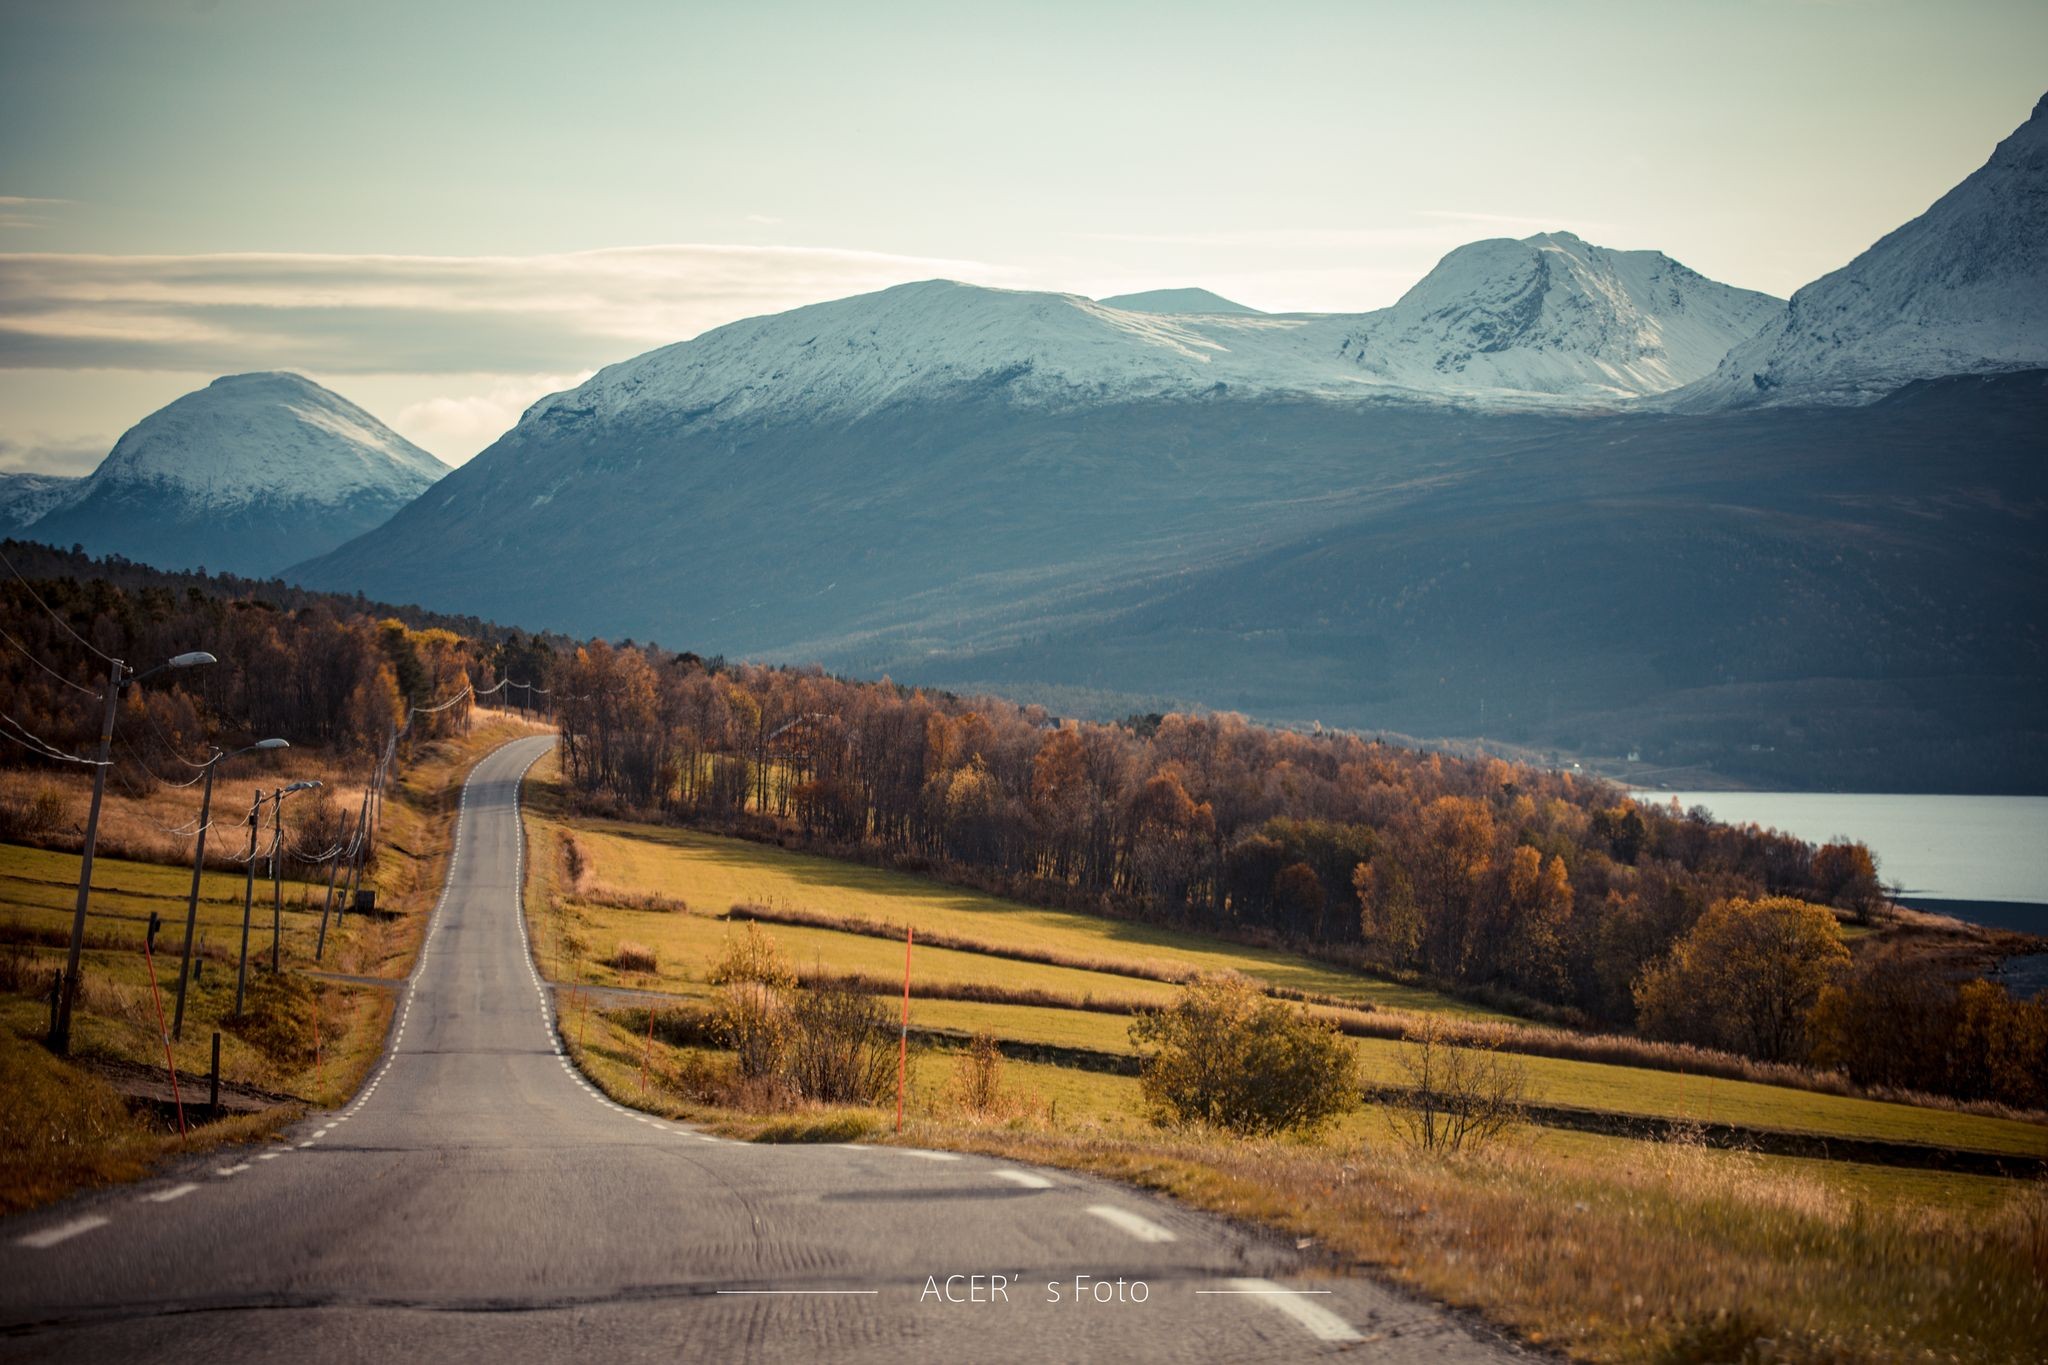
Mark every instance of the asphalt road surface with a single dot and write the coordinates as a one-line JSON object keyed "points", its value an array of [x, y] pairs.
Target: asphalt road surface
{"points": [[478, 1200]]}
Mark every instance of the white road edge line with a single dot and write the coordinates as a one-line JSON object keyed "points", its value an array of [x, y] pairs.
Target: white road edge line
{"points": [[63, 1232], [1317, 1320], [1139, 1226], [174, 1192]]}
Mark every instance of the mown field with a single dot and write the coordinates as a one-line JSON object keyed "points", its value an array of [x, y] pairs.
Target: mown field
{"points": [[622, 866]]}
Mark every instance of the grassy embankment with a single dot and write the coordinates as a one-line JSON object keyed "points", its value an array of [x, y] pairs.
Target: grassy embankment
{"points": [[1608, 1247], [65, 1123]]}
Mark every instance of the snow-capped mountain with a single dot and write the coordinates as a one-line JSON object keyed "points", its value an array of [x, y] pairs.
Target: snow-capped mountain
{"points": [[1199, 301], [1553, 314], [248, 474], [1046, 424], [24, 497], [1962, 289], [1549, 320]]}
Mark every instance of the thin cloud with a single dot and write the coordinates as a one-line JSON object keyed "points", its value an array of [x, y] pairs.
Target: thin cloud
{"points": [[431, 314]]}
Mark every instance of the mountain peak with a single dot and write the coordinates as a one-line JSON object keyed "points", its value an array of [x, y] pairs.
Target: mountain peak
{"points": [[245, 474], [1962, 289], [1556, 314]]}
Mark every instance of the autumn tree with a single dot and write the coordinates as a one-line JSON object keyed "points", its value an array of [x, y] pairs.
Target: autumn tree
{"points": [[1746, 978]]}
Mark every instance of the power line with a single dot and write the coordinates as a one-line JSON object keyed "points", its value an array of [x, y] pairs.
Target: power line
{"points": [[104, 657], [37, 661], [36, 744]]}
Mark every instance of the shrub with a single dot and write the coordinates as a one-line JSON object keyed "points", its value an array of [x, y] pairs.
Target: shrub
{"points": [[1458, 1096], [978, 1077], [752, 956], [34, 817], [635, 957], [1225, 1055], [840, 1049], [753, 1020]]}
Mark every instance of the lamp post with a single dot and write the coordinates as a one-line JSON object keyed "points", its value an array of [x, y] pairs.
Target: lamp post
{"points": [[118, 677], [277, 867], [248, 899], [198, 865]]}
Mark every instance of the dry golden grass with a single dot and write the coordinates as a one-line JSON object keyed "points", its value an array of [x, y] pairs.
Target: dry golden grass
{"points": [[1603, 1248]]}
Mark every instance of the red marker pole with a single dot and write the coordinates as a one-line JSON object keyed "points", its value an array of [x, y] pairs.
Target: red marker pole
{"points": [[648, 1050], [903, 1039]]}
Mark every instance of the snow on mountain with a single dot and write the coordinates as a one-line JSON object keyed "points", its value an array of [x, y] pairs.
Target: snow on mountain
{"points": [[939, 339], [24, 497], [249, 473], [1546, 320], [1197, 301], [247, 437], [1962, 289], [1553, 314]]}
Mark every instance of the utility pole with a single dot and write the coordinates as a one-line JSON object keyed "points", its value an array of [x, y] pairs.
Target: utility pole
{"points": [[192, 898], [277, 869], [333, 870], [60, 1039], [276, 878], [248, 899], [67, 989], [198, 866]]}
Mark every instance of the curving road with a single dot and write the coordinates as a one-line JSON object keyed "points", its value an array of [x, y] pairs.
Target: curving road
{"points": [[478, 1200]]}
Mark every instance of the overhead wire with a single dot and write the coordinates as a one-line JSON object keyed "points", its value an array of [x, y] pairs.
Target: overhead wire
{"points": [[65, 625], [36, 659], [36, 744]]}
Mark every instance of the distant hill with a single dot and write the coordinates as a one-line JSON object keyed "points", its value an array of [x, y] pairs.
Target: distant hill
{"points": [[24, 497], [248, 474]]}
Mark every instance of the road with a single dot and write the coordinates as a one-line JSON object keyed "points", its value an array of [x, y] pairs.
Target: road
{"points": [[479, 1200]]}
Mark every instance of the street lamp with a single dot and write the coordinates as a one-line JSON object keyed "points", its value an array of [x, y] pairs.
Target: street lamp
{"points": [[118, 677], [199, 864], [277, 868]]}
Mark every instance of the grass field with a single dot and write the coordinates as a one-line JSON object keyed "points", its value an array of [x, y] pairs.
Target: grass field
{"points": [[710, 873], [713, 874]]}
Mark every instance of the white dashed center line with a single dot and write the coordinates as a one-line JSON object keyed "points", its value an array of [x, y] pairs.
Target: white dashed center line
{"points": [[1139, 1226], [63, 1232], [1028, 1179], [235, 1169]]}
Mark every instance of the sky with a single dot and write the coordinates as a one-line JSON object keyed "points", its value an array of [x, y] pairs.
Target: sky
{"points": [[447, 210]]}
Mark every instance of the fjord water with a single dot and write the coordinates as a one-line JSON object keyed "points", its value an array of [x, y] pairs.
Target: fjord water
{"points": [[1988, 854]]}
